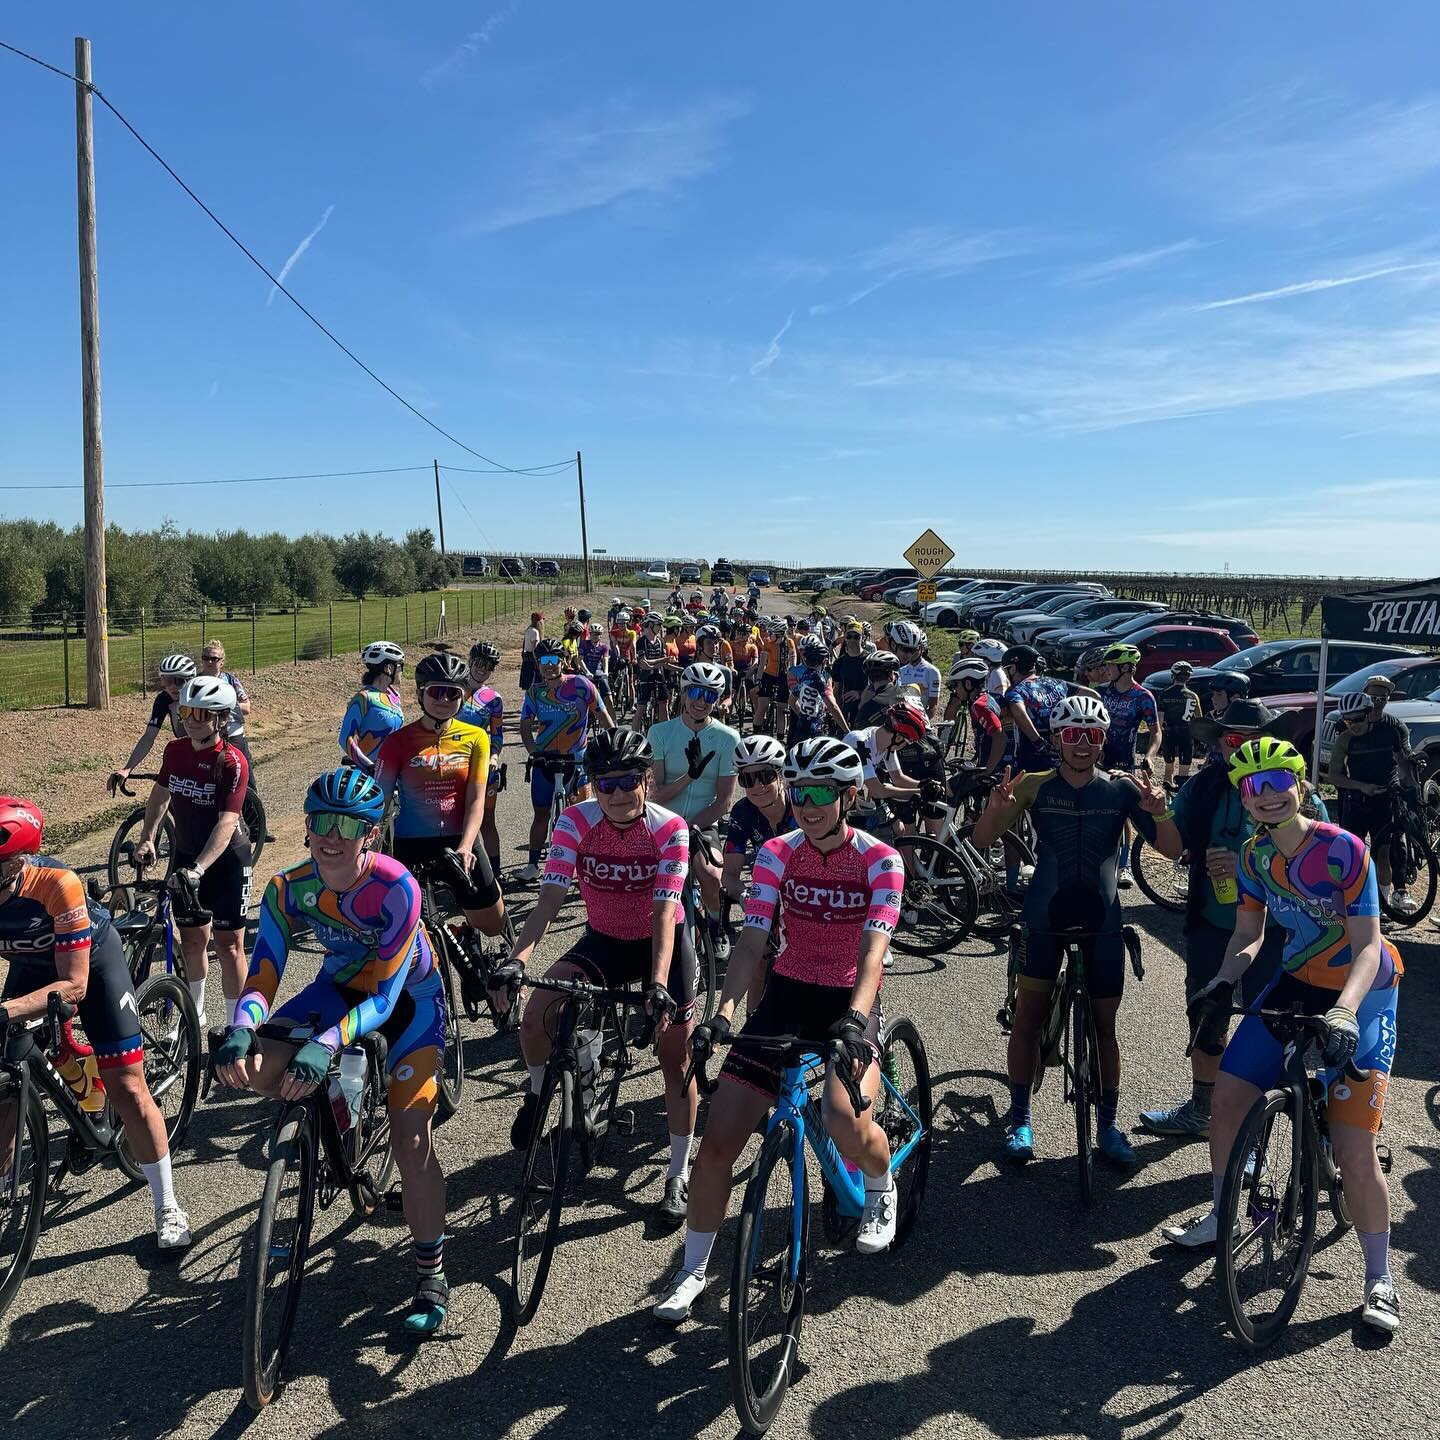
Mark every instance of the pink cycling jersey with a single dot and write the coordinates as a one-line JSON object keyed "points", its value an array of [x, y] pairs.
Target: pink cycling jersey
{"points": [[623, 873], [825, 902]]}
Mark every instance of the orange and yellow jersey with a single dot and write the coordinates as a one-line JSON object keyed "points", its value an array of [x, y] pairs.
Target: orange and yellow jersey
{"points": [[47, 915], [672, 653], [622, 641], [745, 649], [779, 653], [432, 771], [687, 649]]}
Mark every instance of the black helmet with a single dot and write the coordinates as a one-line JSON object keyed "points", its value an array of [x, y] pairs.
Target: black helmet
{"points": [[572, 629], [484, 650], [813, 648], [1231, 682], [1023, 657], [618, 751], [549, 647], [442, 668], [583, 616]]}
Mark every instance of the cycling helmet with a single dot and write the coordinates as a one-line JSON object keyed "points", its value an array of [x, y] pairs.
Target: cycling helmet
{"points": [[1079, 710], [1181, 670], [824, 761], [1381, 682], [672, 622], [1022, 656], [652, 619], [1358, 703], [969, 667], [813, 650], [967, 637], [698, 595], [377, 652], [778, 627], [209, 692], [346, 791], [1266, 753], [178, 667], [882, 660], [1122, 654], [707, 632], [569, 612], [596, 630], [809, 702], [865, 626], [21, 826], [759, 750], [907, 636], [618, 751], [1231, 682], [583, 616], [907, 720], [484, 650], [819, 610], [623, 616], [446, 668], [1042, 665], [573, 630], [704, 672], [1090, 659], [990, 650]]}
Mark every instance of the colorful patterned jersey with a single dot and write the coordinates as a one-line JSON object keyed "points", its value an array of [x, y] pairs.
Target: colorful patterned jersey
{"points": [[1128, 710], [373, 940], [1039, 694], [623, 873], [203, 785], [431, 770], [46, 916], [370, 716], [486, 710], [1330, 877], [561, 716], [825, 903]]}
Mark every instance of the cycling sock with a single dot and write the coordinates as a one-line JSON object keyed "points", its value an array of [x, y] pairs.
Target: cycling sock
{"points": [[537, 1077], [162, 1184], [1019, 1104], [1376, 1245], [680, 1157], [534, 857], [698, 1245], [429, 1258], [197, 994], [1200, 1093], [879, 1184], [1105, 1112]]}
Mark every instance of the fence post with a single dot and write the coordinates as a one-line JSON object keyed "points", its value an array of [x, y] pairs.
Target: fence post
{"points": [[407, 619], [359, 624], [65, 641], [331, 608], [202, 628], [252, 638], [424, 617], [295, 632], [143, 689], [387, 617]]}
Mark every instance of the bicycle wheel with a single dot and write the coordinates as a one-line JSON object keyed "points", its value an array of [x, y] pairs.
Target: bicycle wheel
{"points": [[452, 1060], [1415, 872], [1267, 1220], [542, 1194], [170, 1032], [903, 1110], [707, 978], [767, 1294], [278, 1249], [21, 1219], [252, 812], [1334, 1183], [1084, 1083], [118, 870], [940, 902], [997, 907], [1164, 882]]}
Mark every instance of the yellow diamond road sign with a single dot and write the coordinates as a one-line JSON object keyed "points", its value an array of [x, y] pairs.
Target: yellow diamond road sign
{"points": [[925, 592], [929, 554]]}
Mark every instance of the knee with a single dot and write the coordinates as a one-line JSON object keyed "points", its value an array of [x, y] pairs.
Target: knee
{"points": [[126, 1088]]}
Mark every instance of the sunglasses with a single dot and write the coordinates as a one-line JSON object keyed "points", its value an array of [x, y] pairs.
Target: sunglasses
{"points": [[1081, 735], [1253, 785], [813, 795], [609, 784], [445, 692], [196, 712], [547, 660], [707, 693], [350, 827], [768, 776], [1355, 719]]}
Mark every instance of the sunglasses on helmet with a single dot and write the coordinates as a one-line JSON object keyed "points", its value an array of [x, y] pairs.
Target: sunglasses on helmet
{"points": [[707, 693], [1253, 785], [767, 776], [627, 781], [326, 822], [814, 794], [1082, 735]]}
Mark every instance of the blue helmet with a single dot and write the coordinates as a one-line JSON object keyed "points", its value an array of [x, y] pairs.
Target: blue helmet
{"points": [[346, 791]]}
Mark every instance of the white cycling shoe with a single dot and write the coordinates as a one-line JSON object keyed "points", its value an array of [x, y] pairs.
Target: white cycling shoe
{"points": [[675, 1307], [877, 1221], [172, 1228]]}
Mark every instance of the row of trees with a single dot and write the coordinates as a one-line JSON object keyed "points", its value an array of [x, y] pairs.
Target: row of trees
{"points": [[170, 572]]}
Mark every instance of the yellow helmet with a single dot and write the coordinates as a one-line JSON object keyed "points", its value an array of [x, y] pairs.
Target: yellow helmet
{"points": [[1266, 753]]}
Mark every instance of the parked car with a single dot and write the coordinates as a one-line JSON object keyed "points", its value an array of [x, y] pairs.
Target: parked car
{"points": [[982, 613], [545, 569], [1414, 678], [473, 565], [1238, 630], [909, 596], [798, 584], [1281, 667], [511, 568], [759, 577], [1079, 613], [657, 573], [1162, 645]]}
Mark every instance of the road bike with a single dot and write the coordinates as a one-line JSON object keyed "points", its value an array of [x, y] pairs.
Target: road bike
{"points": [[708, 979], [563, 770], [1414, 869], [312, 1162], [127, 833], [622, 688]]}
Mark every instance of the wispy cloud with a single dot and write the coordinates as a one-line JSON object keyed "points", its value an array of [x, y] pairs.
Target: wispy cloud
{"points": [[297, 252], [469, 47], [772, 350], [1308, 287], [938, 250], [589, 161], [1133, 260], [829, 307], [213, 391]]}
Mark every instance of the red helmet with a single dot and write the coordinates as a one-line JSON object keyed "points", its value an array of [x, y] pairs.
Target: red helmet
{"points": [[21, 825], [907, 720]]}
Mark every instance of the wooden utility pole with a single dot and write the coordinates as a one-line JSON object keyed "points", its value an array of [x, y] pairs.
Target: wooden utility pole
{"points": [[439, 513], [97, 640], [584, 538]]}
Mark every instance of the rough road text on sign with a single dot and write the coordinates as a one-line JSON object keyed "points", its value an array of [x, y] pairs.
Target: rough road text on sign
{"points": [[929, 554]]}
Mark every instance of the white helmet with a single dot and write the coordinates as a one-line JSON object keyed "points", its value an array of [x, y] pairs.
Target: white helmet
{"points": [[778, 627], [990, 650], [382, 652], [1357, 703], [596, 630], [1080, 710], [969, 667], [622, 616], [177, 667], [825, 761], [907, 636], [810, 702], [704, 672], [209, 692], [759, 750]]}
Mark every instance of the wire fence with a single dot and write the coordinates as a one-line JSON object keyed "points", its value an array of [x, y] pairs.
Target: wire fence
{"points": [[42, 657]]}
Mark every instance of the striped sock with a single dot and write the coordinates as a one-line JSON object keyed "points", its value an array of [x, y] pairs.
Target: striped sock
{"points": [[430, 1258]]}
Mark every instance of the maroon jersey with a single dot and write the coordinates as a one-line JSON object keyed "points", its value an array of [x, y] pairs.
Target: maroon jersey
{"points": [[203, 784]]}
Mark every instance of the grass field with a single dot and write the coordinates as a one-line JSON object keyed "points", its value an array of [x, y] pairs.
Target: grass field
{"points": [[33, 672]]}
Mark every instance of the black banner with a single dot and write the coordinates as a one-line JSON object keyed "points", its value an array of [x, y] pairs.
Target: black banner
{"points": [[1406, 614]]}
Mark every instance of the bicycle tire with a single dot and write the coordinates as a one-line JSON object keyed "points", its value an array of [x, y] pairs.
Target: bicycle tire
{"points": [[996, 910], [707, 978], [452, 1057], [912, 1176], [758, 1397], [558, 1086], [1083, 1086], [126, 833], [25, 1222], [1300, 1200], [1427, 877], [170, 1065], [942, 895], [252, 812], [292, 1153], [1152, 886], [1334, 1183]]}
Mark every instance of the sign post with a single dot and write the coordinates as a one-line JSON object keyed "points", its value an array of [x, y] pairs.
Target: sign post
{"points": [[929, 554]]}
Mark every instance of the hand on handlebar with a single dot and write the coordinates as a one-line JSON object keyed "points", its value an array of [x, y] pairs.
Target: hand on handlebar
{"points": [[704, 1038], [230, 1057], [659, 1006], [1344, 1037], [849, 1039], [116, 779], [505, 985]]}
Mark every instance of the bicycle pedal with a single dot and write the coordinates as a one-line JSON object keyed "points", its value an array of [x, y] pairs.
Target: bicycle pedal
{"points": [[1004, 1019], [1383, 1155], [625, 1121], [395, 1199]]}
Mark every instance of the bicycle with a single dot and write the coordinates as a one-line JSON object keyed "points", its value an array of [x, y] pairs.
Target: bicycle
{"points": [[772, 1262], [1414, 869], [1068, 1037], [562, 769], [27, 1078], [252, 813], [708, 979], [1164, 882], [311, 1161], [589, 1058], [1270, 1198], [622, 688]]}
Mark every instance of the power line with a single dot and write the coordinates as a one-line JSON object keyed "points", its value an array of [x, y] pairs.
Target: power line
{"points": [[238, 480], [478, 527], [551, 469], [250, 256]]}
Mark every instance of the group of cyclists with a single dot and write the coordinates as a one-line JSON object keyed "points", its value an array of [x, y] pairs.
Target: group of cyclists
{"points": [[844, 740]]}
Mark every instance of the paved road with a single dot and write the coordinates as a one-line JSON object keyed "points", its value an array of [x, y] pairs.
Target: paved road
{"points": [[1011, 1313]]}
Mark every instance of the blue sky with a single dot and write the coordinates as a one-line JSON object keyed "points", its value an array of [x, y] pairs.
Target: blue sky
{"points": [[1104, 285]]}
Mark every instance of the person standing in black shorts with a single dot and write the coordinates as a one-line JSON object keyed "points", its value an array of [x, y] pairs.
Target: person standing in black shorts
{"points": [[1178, 705]]}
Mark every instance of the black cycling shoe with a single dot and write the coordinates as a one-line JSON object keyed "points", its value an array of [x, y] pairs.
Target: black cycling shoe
{"points": [[524, 1124], [676, 1200]]}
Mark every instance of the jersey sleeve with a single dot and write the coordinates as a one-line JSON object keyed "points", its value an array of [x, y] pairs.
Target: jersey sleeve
{"points": [[565, 841], [1354, 871], [350, 726], [1247, 879], [1148, 711], [885, 872], [985, 716], [267, 958], [672, 841], [69, 914], [764, 897], [479, 757], [234, 781], [159, 710]]}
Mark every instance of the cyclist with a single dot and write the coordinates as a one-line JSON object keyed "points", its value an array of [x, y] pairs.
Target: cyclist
{"points": [[1028, 704], [1079, 813], [777, 652], [528, 641], [824, 625], [374, 710], [630, 857], [1132, 709], [964, 642], [713, 649], [438, 769], [882, 686], [1225, 686], [1178, 705], [745, 648], [993, 738], [54, 941], [174, 671], [915, 669], [570, 649], [992, 652], [1318, 884], [887, 792], [812, 698], [836, 893], [486, 709], [595, 660], [212, 662], [202, 783], [760, 814], [1092, 669], [650, 668], [1365, 766], [848, 670], [555, 723], [623, 635], [378, 974]]}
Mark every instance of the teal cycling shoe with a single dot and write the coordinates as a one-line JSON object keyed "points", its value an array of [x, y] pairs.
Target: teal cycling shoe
{"points": [[1019, 1143], [427, 1310], [1114, 1146]]}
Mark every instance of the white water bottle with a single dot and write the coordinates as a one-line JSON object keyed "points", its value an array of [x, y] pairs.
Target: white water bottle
{"points": [[347, 1087]]}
